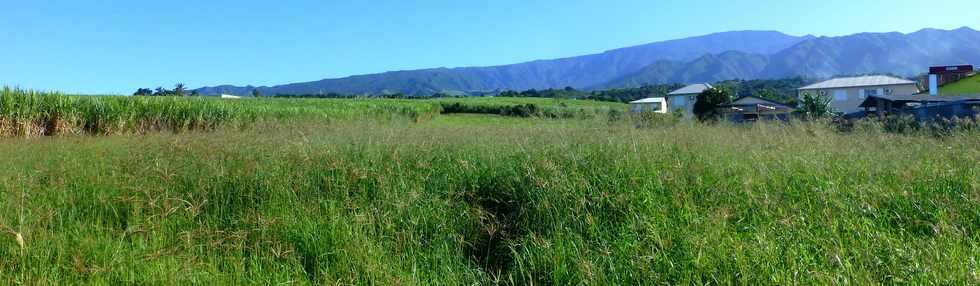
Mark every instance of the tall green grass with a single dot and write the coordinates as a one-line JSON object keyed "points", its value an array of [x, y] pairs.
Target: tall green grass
{"points": [[463, 200], [25, 113], [32, 113]]}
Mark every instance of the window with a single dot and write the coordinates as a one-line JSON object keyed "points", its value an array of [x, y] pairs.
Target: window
{"points": [[679, 101], [692, 98], [646, 107], [637, 108], [869, 92], [840, 95], [888, 91], [823, 93]]}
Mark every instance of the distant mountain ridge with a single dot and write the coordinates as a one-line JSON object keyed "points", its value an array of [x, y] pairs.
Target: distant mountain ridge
{"points": [[714, 57]]}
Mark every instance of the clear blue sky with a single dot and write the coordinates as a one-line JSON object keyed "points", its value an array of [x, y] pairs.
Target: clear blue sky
{"points": [[116, 46]]}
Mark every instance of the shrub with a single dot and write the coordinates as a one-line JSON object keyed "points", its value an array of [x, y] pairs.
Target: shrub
{"points": [[812, 107], [706, 108]]}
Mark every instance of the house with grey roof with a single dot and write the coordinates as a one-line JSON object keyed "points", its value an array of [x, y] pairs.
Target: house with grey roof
{"points": [[846, 94], [683, 99]]}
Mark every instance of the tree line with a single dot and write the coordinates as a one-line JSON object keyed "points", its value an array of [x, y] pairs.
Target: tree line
{"points": [[706, 108], [179, 90], [780, 90]]}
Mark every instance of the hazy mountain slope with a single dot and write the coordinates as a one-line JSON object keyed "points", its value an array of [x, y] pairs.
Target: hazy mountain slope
{"points": [[896, 53], [579, 72], [709, 68], [865, 53], [721, 56]]}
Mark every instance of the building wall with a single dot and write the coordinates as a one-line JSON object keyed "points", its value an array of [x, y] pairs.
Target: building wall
{"points": [[683, 102], [656, 107], [847, 100]]}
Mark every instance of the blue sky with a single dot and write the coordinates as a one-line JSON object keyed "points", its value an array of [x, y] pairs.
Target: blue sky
{"points": [[116, 46]]}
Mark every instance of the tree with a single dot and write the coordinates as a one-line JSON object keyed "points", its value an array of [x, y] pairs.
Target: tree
{"points": [[768, 93], [179, 89], [160, 91], [143, 92], [709, 100], [814, 106], [256, 93]]}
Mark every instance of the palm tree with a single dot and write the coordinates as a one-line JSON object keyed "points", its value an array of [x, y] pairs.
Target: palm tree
{"points": [[179, 89]]}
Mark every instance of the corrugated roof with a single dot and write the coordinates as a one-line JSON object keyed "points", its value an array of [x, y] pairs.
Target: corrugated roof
{"points": [[871, 80], [928, 98], [737, 102], [696, 88], [871, 101]]}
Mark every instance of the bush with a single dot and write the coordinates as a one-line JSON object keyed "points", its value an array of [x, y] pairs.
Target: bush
{"points": [[812, 107], [706, 108], [520, 110], [654, 120]]}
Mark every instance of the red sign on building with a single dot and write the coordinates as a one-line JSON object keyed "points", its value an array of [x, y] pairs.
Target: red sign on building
{"points": [[951, 69]]}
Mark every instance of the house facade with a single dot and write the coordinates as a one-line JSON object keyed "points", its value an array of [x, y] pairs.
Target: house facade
{"points": [[653, 104], [683, 99], [848, 93]]}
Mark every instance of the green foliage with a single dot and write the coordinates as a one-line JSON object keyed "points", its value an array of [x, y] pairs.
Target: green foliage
{"points": [[143, 92], [814, 106], [484, 200], [31, 114], [530, 107], [966, 86], [179, 89], [706, 107], [524, 110], [779, 90], [908, 125]]}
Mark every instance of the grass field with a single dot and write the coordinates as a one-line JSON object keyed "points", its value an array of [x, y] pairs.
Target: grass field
{"points": [[26, 113], [968, 86], [390, 192]]}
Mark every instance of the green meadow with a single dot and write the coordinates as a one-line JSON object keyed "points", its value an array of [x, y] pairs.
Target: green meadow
{"points": [[118, 190], [967, 86]]}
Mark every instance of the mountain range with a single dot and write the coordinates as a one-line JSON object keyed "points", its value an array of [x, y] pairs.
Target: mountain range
{"points": [[709, 58]]}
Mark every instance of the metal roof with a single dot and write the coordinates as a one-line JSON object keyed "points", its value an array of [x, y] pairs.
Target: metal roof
{"points": [[696, 88], [768, 101], [870, 102], [871, 80]]}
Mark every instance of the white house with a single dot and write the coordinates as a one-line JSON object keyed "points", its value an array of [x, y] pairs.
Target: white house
{"points": [[683, 99], [847, 93], [230, 96], [653, 104]]}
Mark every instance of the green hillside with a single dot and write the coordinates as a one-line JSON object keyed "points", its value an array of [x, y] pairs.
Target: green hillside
{"points": [[966, 86]]}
